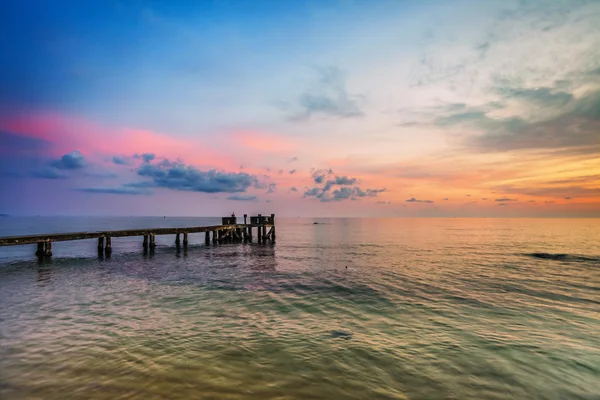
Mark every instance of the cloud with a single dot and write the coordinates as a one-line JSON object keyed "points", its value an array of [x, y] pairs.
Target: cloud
{"points": [[178, 176], [12, 144], [272, 188], [121, 160], [47, 173], [329, 97], [293, 189], [445, 198], [319, 175], [341, 194], [145, 157], [339, 180], [239, 197], [292, 171], [280, 172], [117, 190], [383, 202], [542, 96], [505, 199], [502, 204], [552, 191], [413, 200], [101, 175], [484, 198], [70, 161], [572, 129], [293, 159]]}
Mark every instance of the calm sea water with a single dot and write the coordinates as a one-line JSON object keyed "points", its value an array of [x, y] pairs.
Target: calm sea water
{"points": [[346, 309]]}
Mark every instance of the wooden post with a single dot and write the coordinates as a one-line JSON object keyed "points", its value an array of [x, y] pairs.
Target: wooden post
{"points": [[185, 239], [40, 249], [273, 228], [48, 250], [245, 216], [152, 241], [250, 233], [259, 233], [108, 247], [145, 242], [100, 245], [214, 235], [207, 237], [177, 240]]}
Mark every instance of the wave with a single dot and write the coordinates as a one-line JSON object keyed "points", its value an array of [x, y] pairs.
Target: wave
{"points": [[563, 257]]}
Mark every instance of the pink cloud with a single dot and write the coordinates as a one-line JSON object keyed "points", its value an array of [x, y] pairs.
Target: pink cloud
{"points": [[66, 133]]}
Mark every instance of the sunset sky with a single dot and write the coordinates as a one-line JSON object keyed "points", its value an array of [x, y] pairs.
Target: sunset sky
{"points": [[300, 108]]}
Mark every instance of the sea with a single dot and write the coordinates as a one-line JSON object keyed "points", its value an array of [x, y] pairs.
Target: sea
{"points": [[335, 309]]}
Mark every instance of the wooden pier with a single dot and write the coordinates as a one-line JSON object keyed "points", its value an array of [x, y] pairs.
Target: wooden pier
{"points": [[229, 231]]}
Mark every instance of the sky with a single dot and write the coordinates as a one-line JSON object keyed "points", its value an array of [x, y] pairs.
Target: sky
{"points": [[378, 108]]}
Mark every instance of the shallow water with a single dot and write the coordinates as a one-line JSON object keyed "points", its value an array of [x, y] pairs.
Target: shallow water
{"points": [[347, 309]]}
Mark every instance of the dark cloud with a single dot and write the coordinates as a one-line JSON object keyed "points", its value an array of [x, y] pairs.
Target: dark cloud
{"points": [[117, 190], [413, 200], [121, 160], [267, 201], [240, 197], [319, 175], [101, 175], [328, 180], [340, 181], [445, 198], [329, 97], [178, 176], [505, 199], [272, 187], [293, 189], [573, 129], [47, 173], [70, 161], [293, 159], [542, 96], [293, 171], [145, 157], [17, 144], [567, 198], [341, 193], [484, 198]]}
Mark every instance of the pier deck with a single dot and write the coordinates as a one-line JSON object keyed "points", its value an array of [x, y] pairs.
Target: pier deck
{"points": [[228, 231]]}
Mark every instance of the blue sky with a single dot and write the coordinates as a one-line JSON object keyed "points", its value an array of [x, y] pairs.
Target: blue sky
{"points": [[412, 102]]}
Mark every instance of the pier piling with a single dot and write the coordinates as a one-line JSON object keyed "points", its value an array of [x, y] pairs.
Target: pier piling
{"points": [[145, 242], [185, 240], [48, 249], [152, 242], [108, 247], [40, 249]]}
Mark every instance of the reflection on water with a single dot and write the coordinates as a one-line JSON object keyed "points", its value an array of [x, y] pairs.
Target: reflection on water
{"points": [[357, 309]]}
